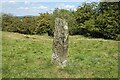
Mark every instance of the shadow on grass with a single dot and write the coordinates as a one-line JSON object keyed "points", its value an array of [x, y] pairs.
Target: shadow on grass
{"points": [[70, 69]]}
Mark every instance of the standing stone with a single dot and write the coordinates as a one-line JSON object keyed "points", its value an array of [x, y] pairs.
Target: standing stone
{"points": [[60, 42]]}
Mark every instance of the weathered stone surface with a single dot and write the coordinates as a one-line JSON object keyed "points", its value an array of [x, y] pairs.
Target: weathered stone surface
{"points": [[60, 42]]}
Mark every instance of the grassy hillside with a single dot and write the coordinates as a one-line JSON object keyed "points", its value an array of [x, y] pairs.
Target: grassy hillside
{"points": [[29, 56]]}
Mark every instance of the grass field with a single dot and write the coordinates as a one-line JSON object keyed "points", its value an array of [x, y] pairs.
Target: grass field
{"points": [[29, 56]]}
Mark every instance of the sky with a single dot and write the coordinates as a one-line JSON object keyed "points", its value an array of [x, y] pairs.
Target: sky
{"points": [[34, 7]]}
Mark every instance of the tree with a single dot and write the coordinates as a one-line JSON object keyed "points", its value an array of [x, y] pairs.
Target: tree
{"points": [[9, 22], [43, 23], [85, 17], [108, 19]]}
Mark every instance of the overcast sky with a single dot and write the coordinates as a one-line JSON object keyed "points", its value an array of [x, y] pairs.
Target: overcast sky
{"points": [[33, 7]]}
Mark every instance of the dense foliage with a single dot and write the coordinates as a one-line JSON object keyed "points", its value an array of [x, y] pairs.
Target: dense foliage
{"points": [[90, 19]]}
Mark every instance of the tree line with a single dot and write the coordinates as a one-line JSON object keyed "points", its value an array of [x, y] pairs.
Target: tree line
{"points": [[99, 20]]}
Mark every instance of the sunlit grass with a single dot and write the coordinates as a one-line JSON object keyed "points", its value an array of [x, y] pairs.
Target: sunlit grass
{"points": [[29, 56]]}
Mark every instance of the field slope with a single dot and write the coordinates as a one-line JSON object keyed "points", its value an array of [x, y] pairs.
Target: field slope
{"points": [[29, 56]]}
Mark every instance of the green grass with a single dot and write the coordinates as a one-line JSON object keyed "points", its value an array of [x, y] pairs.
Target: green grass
{"points": [[29, 56]]}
